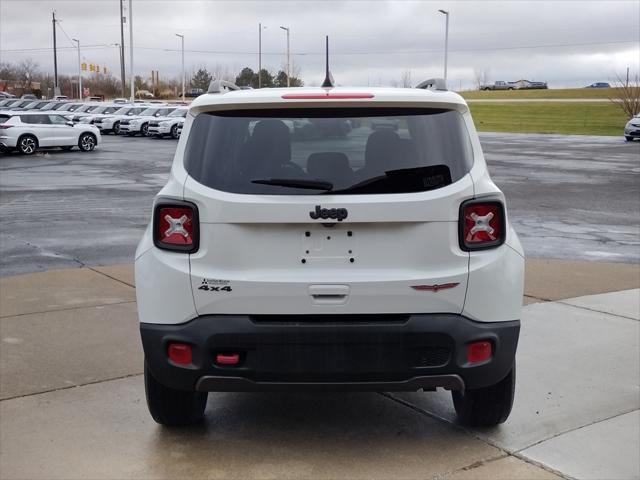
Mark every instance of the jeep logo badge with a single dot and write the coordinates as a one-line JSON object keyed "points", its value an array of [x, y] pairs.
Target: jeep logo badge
{"points": [[324, 213]]}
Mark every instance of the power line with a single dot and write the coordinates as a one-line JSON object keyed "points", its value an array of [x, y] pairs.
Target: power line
{"points": [[302, 53], [48, 49], [65, 33]]}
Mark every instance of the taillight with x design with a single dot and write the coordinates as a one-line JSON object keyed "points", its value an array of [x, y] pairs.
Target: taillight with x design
{"points": [[482, 225], [175, 226]]}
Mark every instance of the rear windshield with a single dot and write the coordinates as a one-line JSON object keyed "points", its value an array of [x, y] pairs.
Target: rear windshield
{"points": [[322, 150]]}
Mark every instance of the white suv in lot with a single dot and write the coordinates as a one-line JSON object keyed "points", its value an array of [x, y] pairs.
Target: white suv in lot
{"points": [[334, 257], [111, 123], [168, 126], [29, 131], [140, 124]]}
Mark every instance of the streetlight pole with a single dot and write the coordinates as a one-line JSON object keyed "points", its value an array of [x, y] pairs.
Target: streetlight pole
{"points": [[122, 79], [260, 27], [182, 39], [133, 78], [79, 70], [56, 90], [446, 42], [288, 67]]}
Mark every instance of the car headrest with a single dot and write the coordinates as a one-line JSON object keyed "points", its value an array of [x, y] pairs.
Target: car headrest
{"points": [[328, 165], [382, 147]]}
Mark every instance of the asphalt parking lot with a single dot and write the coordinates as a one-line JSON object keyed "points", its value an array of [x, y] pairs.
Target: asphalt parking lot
{"points": [[72, 399], [569, 197]]}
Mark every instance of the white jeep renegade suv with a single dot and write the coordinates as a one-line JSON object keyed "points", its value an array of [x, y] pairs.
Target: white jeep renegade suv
{"points": [[329, 238]]}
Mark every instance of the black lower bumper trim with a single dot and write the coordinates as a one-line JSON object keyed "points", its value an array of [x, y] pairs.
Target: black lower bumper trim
{"points": [[239, 384], [377, 352]]}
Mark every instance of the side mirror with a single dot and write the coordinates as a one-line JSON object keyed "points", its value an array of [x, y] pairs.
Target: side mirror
{"points": [[70, 123]]}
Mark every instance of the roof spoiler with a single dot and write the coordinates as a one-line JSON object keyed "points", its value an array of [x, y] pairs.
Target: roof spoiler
{"points": [[433, 84], [222, 86]]}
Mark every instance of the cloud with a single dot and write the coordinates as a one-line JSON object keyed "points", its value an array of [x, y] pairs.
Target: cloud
{"points": [[566, 43]]}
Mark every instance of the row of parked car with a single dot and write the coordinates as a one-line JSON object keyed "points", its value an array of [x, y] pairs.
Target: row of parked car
{"points": [[27, 125]]}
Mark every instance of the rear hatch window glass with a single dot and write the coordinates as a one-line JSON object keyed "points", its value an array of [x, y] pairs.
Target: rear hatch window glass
{"points": [[328, 150]]}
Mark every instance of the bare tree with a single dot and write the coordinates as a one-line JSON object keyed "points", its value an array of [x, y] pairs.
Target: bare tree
{"points": [[405, 79], [626, 94], [7, 71], [26, 70], [481, 76], [222, 72]]}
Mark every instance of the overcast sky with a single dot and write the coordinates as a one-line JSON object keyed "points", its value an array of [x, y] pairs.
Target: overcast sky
{"points": [[567, 43]]}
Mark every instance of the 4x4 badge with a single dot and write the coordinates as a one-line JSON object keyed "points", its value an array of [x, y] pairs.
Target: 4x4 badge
{"points": [[324, 213]]}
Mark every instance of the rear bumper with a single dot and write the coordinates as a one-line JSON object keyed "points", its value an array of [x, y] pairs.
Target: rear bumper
{"points": [[362, 352], [8, 142]]}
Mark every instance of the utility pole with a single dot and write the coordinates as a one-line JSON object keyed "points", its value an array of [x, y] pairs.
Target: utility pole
{"points": [[122, 77], [79, 70], [446, 42], [182, 39], [133, 79], [56, 89], [288, 67], [627, 82]]}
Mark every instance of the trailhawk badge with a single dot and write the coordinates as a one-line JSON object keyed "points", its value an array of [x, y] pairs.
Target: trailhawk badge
{"points": [[324, 213]]}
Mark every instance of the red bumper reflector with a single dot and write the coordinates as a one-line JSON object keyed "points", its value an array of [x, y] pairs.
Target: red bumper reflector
{"points": [[324, 96], [479, 351], [180, 353], [228, 358]]}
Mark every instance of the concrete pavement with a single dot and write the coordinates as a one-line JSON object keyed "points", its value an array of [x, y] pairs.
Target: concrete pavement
{"points": [[72, 399]]}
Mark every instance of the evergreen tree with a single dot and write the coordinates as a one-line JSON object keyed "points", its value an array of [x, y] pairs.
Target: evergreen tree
{"points": [[201, 79]]}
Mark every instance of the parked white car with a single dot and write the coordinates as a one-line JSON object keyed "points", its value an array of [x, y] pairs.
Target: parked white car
{"points": [[67, 109], [89, 109], [140, 125], [632, 128], [168, 126], [111, 123], [14, 104], [373, 260], [29, 131], [83, 110], [99, 113]]}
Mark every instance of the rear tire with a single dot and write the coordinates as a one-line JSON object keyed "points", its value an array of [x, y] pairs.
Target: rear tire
{"points": [[174, 132], [116, 128], [488, 406], [144, 130], [27, 144], [170, 407]]}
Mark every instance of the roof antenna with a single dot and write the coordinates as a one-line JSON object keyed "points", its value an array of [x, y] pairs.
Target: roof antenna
{"points": [[328, 79]]}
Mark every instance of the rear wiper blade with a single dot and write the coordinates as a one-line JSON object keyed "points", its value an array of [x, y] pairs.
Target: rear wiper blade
{"points": [[296, 183]]}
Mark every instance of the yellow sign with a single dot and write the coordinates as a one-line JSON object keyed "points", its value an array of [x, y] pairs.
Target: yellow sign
{"points": [[84, 67]]}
